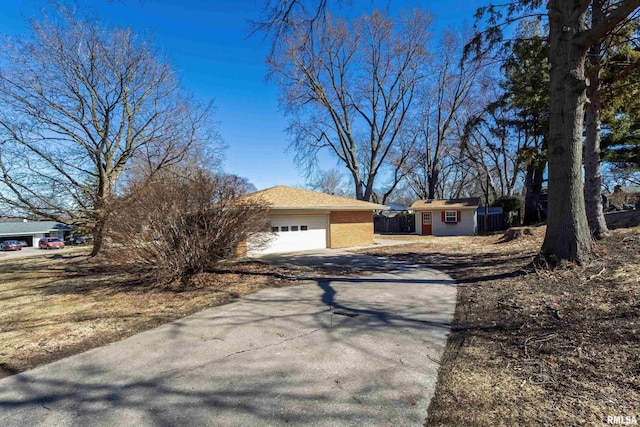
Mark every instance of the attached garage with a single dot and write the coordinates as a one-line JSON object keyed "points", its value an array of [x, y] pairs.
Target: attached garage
{"points": [[296, 233], [305, 220], [32, 231]]}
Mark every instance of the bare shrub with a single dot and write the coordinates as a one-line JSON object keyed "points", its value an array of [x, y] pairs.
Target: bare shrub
{"points": [[174, 226]]}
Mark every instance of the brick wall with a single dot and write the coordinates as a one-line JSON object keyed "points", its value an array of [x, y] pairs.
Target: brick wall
{"points": [[350, 228], [241, 249]]}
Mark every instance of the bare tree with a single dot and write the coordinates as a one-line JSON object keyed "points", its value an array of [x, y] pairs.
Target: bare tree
{"points": [[349, 89], [493, 145], [77, 103], [280, 17], [611, 63], [445, 98], [329, 181], [570, 37]]}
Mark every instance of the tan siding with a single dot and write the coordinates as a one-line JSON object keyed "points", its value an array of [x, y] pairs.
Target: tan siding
{"points": [[349, 228]]}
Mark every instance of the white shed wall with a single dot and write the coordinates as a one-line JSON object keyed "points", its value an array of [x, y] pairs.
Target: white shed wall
{"points": [[466, 227]]}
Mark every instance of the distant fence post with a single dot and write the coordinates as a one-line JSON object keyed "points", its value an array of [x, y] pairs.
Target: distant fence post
{"points": [[401, 223], [495, 222]]}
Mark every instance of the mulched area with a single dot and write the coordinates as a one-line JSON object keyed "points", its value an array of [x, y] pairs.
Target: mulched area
{"points": [[531, 346]]}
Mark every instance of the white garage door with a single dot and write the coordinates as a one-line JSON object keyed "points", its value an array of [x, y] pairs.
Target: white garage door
{"points": [[292, 233]]}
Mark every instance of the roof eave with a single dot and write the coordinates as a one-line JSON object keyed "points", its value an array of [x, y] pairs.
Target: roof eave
{"points": [[329, 208], [428, 208]]}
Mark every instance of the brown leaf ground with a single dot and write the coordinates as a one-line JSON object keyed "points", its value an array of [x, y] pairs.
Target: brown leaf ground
{"points": [[527, 347], [55, 306], [533, 347]]}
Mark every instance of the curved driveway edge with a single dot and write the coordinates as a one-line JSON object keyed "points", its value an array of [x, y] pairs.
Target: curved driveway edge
{"points": [[343, 351]]}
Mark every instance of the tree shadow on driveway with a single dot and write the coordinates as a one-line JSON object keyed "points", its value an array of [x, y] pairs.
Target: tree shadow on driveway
{"points": [[333, 351]]}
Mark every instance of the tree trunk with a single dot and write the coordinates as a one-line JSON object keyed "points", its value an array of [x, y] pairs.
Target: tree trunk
{"points": [[368, 190], [357, 184], [529, 205], [432, 182], [567, 236], [101, 209], [533, 189], [98, 238], [593, 177], [486, 206]]}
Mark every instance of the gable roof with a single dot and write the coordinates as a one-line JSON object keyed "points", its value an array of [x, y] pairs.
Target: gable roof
{"points": [[32, 227], [469, 203], [284, 197]]}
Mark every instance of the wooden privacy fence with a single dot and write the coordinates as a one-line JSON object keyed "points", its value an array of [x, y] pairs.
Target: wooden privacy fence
{"points": [[496, 222], [398, 224]]}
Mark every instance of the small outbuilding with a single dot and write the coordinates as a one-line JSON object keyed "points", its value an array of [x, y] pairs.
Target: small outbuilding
{"points": [[304, 220], [455, 217], [32, 231]]}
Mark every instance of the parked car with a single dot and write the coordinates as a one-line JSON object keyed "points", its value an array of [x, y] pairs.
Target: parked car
{"points": [[50, 243], [24, 243], [11, 245], [75, 240]]}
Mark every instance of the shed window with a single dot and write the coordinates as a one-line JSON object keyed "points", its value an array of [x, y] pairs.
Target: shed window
{"points": [[284, 228], [304, 228], [451, 216], [294, 228], [274, 229]]}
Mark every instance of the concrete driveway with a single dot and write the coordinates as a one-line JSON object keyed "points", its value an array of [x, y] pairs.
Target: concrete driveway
{"points": [[328, 352], [28, 252]]}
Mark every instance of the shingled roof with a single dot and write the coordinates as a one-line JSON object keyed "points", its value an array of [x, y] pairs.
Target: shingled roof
{"points": [[32, 227], [284, 197], [472, 202]]}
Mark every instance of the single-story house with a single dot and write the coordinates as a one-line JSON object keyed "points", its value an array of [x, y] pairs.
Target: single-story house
{"points": [[455, 217], [32, 231], [304, 220]]}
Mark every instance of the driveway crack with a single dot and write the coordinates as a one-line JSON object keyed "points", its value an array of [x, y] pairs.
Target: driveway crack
{"points": [[273, 344]]}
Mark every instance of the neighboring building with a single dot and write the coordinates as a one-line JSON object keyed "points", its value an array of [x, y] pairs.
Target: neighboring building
{"points": [[491, 210], [32, 231], [305, 220], [455, 217], [394, 208], [396, 219]]}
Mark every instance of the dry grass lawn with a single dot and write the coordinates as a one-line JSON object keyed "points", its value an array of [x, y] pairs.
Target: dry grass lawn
{"points": [[58, 305], [534, 347], [528, 346]]}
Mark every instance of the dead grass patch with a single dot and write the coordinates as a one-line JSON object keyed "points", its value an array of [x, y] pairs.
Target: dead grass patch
{"points": [[534, 347], [55, 306]]}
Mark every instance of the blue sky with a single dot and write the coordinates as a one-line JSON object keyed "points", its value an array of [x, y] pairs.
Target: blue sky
{"points": [[207, 42]]}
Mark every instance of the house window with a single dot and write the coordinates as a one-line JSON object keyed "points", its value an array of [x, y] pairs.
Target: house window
{"points": [[294, 228], [284, 228], [451, 216], [304, 228], [274, 229]]}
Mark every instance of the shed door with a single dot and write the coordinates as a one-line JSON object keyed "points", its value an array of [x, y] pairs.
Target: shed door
{"points": [[291, 233], [426, 223]]}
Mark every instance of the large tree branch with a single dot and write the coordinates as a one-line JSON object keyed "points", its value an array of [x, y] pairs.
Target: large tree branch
{"points": [[608, 23]]}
